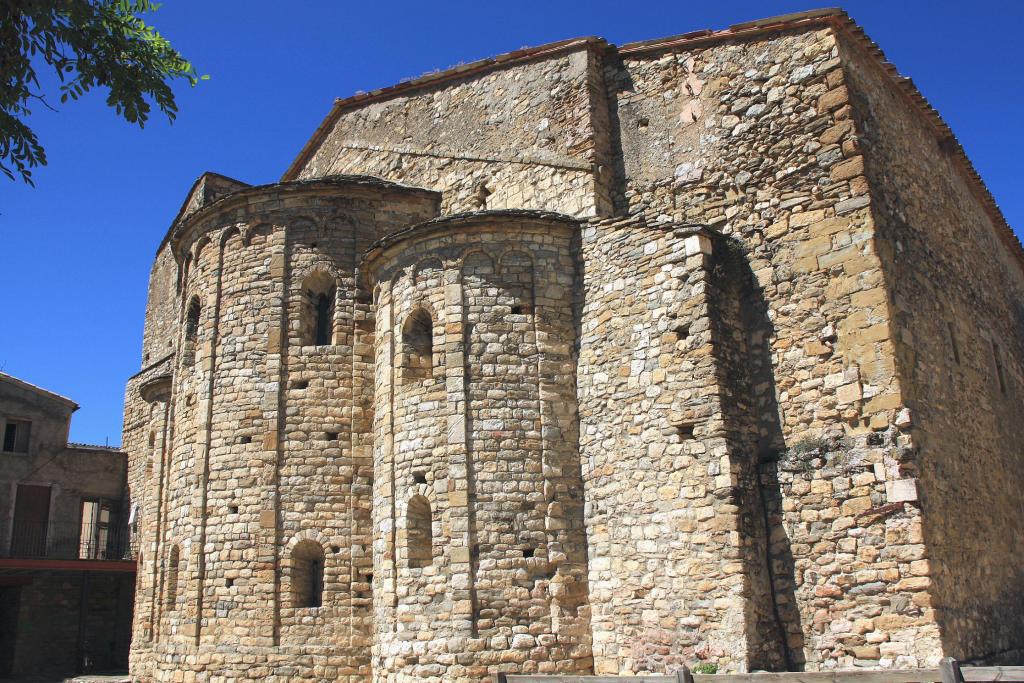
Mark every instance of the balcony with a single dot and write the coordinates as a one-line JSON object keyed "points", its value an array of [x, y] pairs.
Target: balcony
{"points": [[84, 541]]}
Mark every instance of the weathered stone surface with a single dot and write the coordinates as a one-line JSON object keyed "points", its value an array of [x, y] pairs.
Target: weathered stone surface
{"points": [[670, 423]]}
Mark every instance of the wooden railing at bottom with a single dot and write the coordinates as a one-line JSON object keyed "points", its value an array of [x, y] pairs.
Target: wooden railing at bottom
{"points": [[949, 671]]}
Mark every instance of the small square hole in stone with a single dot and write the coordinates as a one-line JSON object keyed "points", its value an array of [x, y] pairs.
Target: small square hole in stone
{"points": [[229, 583], [300, 384], [233, 509], [419, 477], [528, 553], [245, 439], [335, 548], [685, 431], [682, 332], [521, 309], [331, 436]]}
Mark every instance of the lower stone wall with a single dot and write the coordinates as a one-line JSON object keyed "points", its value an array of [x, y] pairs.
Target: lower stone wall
{"points": [[48, 622], [169, 663]]}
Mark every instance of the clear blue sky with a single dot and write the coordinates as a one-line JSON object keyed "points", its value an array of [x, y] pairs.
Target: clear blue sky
{"points": [[76, 250]]}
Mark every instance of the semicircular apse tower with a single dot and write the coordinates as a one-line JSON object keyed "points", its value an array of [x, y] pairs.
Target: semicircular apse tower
{"points": [[480, 550]]}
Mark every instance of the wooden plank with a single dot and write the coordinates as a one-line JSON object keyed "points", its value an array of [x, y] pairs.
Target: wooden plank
{"points": [[862, 676], [950, 671], [993, 673], [684, 675], [516, 678], [970, 674]]}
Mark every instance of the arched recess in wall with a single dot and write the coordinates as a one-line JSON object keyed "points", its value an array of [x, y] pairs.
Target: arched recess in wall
{"points": [[319, 295], [419, 533], [417, 359], [183, 272], [174, 575], [197, 251], [478, 274], [258, 235], [516, 274], [428, 273], [477, 269], [307, 574]]}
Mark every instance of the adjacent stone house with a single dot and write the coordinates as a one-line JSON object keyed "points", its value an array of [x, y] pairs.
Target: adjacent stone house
{"points": [[589, 359], [67, 571]]}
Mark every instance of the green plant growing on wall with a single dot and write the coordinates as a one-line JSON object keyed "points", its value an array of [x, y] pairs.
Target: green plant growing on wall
{"points": [[705, 668]]}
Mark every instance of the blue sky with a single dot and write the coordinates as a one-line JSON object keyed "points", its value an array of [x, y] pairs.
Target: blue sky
{"points": [[76, 250]]}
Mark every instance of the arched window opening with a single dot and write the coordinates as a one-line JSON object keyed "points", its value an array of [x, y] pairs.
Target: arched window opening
{"points": [[192, 321], [418, 346], [188, 351], [318, 309], [324, 318], [419, 532], [307, 574], [173, 576]]}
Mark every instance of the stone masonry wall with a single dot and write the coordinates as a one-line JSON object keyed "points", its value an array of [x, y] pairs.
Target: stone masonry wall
{"points": [[666, 576], [520, 136], [161, 315], [750, 411], [267, 442], [487, 441], [958, 321], [750, 137]]}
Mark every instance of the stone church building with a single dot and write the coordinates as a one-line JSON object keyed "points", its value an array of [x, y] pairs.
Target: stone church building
{"points": [[589, 359]]}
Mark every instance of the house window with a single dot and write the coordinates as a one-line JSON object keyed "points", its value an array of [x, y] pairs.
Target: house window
{"points": [[16, 433], [95, 534]]}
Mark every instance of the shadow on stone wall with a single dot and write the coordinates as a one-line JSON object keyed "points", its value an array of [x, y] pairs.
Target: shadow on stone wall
{"points": [[753, 420]]}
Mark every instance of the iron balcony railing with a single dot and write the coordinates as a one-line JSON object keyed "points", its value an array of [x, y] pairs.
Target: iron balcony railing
{"points": [[78, 541]]}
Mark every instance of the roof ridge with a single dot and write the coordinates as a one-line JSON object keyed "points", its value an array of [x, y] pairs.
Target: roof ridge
{"points": [[458, 71], [75, 444], [835, 17], [39, 390]]}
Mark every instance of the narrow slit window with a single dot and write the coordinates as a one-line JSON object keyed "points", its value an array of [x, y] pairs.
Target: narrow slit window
{"points": [[953, 343], [192, 321], [173, 574], [307, 574], [318, 308], [418, 346], [1000, 373], [419, 532], [324, 320]]}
